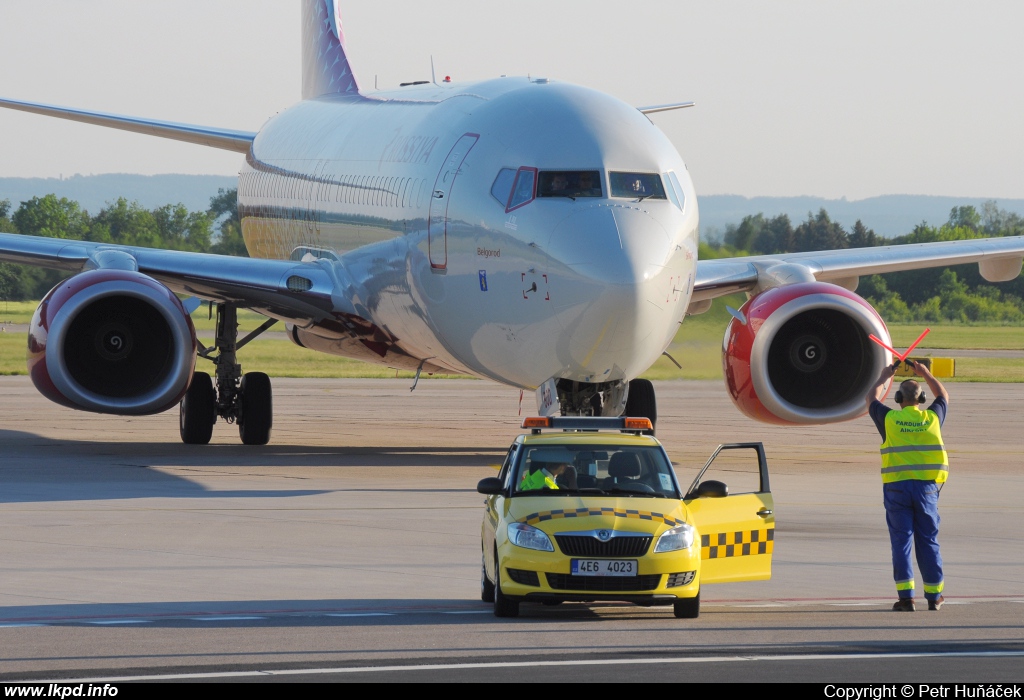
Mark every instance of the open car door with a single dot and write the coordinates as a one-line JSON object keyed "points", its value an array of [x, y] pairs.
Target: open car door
{"points": [[732, 508]]}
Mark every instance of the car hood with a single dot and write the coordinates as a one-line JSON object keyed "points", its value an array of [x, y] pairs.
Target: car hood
{"points": [[572, 513]]}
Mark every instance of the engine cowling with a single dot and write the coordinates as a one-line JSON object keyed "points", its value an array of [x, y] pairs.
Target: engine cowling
{"points": [[803, 355], [112, 341]]}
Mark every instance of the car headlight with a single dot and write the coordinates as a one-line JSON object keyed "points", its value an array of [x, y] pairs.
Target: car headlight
{"points": [[679, 537], [529, 537]]}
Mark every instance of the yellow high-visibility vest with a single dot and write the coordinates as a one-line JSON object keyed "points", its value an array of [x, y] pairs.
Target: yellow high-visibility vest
{"points": [[913, 447], [538, 480]]}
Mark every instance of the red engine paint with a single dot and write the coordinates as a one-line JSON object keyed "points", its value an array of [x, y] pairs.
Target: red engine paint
{"points": [[739, 340], [52, 303]]}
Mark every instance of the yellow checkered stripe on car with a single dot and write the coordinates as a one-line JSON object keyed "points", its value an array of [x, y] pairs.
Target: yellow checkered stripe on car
{"points": [[741, 543], [617, 512]]}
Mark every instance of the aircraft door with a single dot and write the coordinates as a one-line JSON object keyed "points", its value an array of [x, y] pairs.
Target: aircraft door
{"points": [[737, 531], [437, 226]]}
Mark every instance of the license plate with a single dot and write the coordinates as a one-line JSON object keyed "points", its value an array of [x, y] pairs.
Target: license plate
{"points": [[604, 567]]}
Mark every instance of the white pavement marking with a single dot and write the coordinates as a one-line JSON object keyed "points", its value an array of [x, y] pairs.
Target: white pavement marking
{"points": [[116, 622], [22, 624], [226, 618], [370, 614], [534, 664]]}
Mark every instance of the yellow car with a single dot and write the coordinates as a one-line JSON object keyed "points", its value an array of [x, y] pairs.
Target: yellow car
{"points": [[590, 509]]}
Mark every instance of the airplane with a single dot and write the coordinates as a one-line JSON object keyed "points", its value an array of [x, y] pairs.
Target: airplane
{"points": [[535, 233]]}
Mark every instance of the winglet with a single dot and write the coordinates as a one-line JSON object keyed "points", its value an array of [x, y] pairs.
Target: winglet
{"points": [[325, 67]]}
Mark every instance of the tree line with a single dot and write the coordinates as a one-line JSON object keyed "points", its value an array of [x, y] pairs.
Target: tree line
{"points": [[957, 293], [172, 226]]}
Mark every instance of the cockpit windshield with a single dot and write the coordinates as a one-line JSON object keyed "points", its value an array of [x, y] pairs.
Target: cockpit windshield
{"points": [[637, 185], [594, 470], [569, 183]]}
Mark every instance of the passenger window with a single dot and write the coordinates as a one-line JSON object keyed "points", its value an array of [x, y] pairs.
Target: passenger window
{"points": [[637, 185], [674, 181], [524, 189], [501, 190], [569, 183]]}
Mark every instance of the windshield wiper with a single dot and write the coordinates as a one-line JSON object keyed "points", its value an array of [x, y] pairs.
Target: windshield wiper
{"points": [[630, 492]]}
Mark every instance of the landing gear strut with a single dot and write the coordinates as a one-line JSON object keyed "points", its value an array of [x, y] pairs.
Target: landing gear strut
{"points": [[243, 399]]}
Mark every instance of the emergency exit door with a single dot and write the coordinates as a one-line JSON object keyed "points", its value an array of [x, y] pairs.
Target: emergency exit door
{"points": [[437, 226]]}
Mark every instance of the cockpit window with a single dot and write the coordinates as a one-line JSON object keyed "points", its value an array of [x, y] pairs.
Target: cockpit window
{"points": [[502, 187], [677, 189], [637, 185], [569, 183], [524, 189]]}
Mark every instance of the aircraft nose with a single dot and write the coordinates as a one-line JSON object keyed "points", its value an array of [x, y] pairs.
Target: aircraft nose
{"points": [[623, 257]]}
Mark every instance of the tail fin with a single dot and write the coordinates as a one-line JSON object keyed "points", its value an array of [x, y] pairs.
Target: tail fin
{"points": [[325, 68]]}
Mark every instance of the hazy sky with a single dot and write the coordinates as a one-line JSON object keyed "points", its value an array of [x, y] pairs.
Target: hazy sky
{"points": [[831, 99]]}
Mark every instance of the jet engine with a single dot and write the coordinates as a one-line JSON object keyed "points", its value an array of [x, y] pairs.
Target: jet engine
{"points": [[801, 354], [112, 341]]}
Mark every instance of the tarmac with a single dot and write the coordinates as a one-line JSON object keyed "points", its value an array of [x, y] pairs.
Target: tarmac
{"points": [[353, 538]]}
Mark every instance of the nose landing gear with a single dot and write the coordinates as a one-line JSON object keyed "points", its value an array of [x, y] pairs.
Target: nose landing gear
{"points": [[243, 399], [636, 399]]}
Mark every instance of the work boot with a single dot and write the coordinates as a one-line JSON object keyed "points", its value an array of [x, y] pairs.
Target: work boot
{"points": [[936, 604], [904, 605]]}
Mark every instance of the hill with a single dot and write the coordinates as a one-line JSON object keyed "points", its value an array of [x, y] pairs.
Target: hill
{"points": [[93, 192], [889, 215]]}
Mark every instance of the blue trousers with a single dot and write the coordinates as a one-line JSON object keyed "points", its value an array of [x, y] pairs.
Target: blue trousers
{"points": [[912, 513]]}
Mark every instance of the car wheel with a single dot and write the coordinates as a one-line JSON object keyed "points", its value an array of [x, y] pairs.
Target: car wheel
{"points": [[486, 587], [503, 606], [687, 607]]}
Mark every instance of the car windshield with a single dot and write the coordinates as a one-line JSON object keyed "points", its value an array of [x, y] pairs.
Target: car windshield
{"points": [[594, 470]]}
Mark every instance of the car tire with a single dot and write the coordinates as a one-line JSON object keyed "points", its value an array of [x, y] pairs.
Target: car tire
{"points": [[503, 605], [486, 587], [688, 608]]}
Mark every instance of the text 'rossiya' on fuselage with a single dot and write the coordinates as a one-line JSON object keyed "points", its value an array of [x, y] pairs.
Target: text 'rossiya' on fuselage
{"points": [[523, 230]]}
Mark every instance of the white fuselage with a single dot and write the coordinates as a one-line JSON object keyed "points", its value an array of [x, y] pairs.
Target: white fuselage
{"points": [[395, 188]]}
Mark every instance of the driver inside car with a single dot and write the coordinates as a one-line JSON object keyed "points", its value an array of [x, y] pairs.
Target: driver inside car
{"points": [[551, 475]]}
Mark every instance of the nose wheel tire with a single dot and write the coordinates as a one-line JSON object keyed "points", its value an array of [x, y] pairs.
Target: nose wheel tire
{"points": [[256, 414], [640, 402], [197, 412], [687, 607]]}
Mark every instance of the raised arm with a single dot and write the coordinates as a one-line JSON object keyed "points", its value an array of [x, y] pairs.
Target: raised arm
{"points": [[878, 390]]}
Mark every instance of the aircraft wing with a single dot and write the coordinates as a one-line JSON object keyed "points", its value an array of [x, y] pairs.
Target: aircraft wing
{"points": [[999, 260], [227, 139], [292, 291]]}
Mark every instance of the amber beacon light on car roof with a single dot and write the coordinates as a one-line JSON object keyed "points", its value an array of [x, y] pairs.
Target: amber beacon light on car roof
{"points": [[587, 424]]}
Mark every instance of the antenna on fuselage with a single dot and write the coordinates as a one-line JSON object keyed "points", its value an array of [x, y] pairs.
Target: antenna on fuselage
{"points": [[433, 78]]}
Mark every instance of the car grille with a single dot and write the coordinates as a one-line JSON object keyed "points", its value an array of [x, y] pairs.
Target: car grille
{"points": [[568, 582], [587, 546], [521, 576]]}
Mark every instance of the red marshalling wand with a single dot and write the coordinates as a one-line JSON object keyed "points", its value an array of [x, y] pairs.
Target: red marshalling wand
{"points": [[909, 350]]}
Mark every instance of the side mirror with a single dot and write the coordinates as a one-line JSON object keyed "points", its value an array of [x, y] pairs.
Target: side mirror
{"points": [[709, 489], [491, 486]]}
